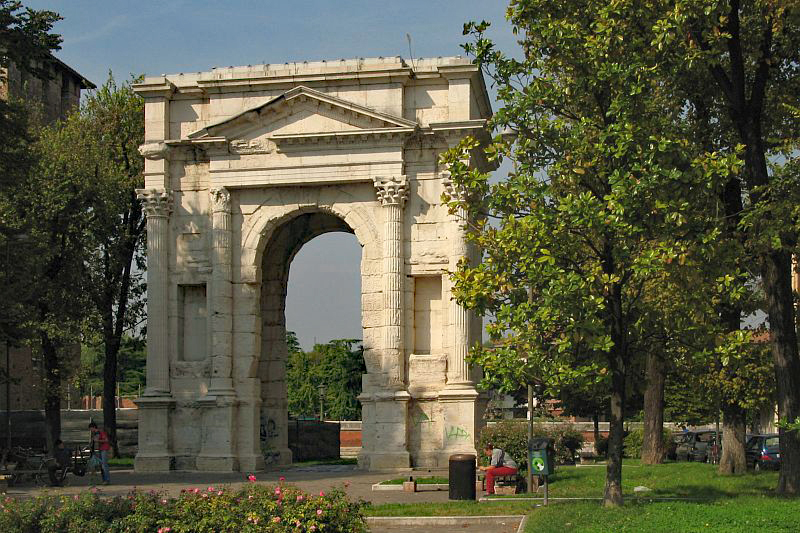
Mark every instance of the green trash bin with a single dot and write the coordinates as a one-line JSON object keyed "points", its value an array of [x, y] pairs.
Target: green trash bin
{"points": [[542, 453]]}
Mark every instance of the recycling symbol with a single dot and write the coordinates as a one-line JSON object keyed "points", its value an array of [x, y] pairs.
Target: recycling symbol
{"points": [[538, 464]]}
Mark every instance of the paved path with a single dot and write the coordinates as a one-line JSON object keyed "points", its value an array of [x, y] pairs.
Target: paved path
{"points": [[312, 479]]}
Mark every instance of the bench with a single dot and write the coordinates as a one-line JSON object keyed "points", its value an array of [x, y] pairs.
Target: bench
{"points": [[502, 484]]}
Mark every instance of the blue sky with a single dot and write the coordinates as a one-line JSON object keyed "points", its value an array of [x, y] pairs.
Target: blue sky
{"points": [[171, 36]]}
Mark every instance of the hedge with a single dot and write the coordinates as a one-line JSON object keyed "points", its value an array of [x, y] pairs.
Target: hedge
{"points": [[255, 508], [512, 437]]}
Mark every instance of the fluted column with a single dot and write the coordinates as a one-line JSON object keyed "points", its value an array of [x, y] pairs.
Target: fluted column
{"points": [[221, 294], [392, 193], [458, 372], [157, 206]]}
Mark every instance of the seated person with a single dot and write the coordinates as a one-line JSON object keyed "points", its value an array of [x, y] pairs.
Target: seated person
{"points": [[501, 464], [57, 469]]}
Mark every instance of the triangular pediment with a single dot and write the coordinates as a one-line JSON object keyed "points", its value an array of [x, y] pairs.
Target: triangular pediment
{"points": [[302, 112]]}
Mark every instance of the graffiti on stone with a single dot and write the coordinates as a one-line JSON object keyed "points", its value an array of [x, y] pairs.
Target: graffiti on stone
{"points": [[456, 433], [420, 417]]}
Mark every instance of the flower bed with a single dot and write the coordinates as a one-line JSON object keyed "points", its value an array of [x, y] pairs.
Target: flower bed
{"points": [[255, 508]]}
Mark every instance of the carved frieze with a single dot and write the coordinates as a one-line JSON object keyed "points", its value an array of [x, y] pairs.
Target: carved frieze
{"points": [[155, 202], [392, 190], [255, 146]]}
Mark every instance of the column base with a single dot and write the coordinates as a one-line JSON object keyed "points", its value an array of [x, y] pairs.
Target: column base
{"points": [[384, 462], [217, 450], [251, 463], [159, 463], [223, 463], [462, 417], [278, 457], [154, 453]]}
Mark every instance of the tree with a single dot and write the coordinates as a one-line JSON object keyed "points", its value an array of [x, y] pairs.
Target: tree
{"points": [[51, 206], [130, 368], [26, 42], [337, 367], [742, 379], [96, 149], [743, 57], [608, 201]]}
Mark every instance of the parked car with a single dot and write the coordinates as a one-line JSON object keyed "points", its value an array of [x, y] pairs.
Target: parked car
{"points": [[697, 446], [763, 452]]}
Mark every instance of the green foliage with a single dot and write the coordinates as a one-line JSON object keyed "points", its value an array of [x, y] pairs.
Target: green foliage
{"points": [[26, 42], [635, 438], [336, 366], [604, 237], [130, 370], [25, 38], [253, 509], [512, 437]]}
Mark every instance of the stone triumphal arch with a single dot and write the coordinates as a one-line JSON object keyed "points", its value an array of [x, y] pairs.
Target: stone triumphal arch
{"points": [[243, 166]]}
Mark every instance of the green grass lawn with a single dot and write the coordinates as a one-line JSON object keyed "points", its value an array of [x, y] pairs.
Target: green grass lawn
{"points": [[121, 462], [748, 514], [670, 480], [449, 509], [714, 503]]}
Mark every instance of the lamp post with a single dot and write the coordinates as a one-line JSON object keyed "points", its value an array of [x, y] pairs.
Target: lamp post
{"points": [[321, 390]]}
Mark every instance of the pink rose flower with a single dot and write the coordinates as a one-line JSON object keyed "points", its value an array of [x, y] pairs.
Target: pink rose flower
{"points": [[322, 493], [276, 519], [319, 512], [251, 478], [301, 498], [281, 479]]}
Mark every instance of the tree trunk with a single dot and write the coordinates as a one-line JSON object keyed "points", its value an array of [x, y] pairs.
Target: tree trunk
{"points": [[733, 435], [776, 272], [653, 440], [612, 496], [596, 428], [52, 391]]}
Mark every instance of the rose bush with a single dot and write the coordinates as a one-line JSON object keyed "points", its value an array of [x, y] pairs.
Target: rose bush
{"points": [[252, 509]]}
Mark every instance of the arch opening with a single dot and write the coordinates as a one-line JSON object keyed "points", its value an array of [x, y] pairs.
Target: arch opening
{"points": [[281, 248]]}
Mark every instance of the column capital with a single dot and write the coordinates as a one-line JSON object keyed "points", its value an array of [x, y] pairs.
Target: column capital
{"points": [[220, 200], [155, 202], [392, 190]]}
